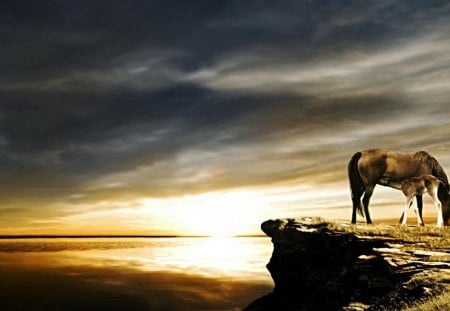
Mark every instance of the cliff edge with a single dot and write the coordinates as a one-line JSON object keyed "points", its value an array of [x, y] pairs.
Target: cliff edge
{"points": [[316, 265]]}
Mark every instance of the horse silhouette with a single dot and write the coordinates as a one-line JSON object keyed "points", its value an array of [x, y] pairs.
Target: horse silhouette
{"points": [[369, 168]]}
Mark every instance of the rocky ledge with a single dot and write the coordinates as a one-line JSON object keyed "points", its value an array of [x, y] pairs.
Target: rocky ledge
{"points": [[318, 266]]}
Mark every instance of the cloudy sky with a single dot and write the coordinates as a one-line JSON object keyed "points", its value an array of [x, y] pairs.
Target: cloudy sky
{"points": [[198, 117]]}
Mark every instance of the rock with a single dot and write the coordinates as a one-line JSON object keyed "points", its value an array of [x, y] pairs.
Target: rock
{"points": [[316, 268]]}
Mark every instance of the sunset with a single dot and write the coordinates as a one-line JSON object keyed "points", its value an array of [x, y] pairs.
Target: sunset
{"points": [[125, 126], [207, 118]]}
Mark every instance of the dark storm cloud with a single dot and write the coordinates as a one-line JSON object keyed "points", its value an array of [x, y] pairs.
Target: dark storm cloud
{"points": [[57, 43], [158, 98]]}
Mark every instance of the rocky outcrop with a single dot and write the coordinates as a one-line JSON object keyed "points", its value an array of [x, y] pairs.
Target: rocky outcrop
{"points": [[318, 268]]}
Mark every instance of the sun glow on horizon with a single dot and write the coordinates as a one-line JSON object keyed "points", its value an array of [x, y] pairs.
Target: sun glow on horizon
{"points": [[222, 213], [218, 214], [239, 211]]}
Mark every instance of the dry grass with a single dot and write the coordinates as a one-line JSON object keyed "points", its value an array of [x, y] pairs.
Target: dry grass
{"points": [[434, 237], [428, 237], [440, 302], [434, 282]]}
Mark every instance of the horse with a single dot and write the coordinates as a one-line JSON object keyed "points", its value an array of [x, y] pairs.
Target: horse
{"points": [[419, 186], [369, 168]]}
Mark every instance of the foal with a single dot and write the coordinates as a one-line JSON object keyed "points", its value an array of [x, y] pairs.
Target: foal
{"points": [[418, 186]]}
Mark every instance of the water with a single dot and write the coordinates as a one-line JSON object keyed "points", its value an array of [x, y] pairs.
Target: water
{"points": [[133, 273]]}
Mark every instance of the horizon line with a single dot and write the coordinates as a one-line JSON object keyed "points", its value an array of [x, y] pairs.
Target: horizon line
{"points": [[77, 236]]}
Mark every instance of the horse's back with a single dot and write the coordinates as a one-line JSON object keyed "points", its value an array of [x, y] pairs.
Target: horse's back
{"points": [[380, 155], [402, 165], [372, 165], [376, 164]]}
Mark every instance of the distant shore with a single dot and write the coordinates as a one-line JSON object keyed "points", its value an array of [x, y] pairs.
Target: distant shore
{"points": [[45, 236], [51, 236]]}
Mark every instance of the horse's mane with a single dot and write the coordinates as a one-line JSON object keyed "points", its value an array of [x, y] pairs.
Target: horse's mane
{"points": [[433, 164]]}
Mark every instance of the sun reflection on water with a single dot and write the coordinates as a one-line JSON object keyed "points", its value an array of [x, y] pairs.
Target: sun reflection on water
{"points": [[224, 257], [162, 273], [216, 256]]}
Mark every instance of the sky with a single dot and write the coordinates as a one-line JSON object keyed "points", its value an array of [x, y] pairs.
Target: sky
{"points": [[210, 116]]}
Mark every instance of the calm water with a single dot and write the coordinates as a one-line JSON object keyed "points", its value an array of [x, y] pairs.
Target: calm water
{"points": [[133, 273]]}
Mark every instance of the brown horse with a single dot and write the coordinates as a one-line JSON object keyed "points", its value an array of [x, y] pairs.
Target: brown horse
{"points": [[418, 186], [368, 168]]}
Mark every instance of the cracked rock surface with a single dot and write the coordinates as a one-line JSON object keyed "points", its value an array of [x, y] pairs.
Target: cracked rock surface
{"points": [[316, 266]]}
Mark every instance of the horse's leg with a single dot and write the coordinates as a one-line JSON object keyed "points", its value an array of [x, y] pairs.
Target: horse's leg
{"points": [[354, 213], [418, 214], [418, 211], [437, 203], [419, 200], [409, 200], [401, 217], [356, 199], [366, 200]]}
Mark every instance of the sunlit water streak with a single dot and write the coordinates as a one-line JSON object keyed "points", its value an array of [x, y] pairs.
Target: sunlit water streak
{"points": [[237, 258], [139, 273]]}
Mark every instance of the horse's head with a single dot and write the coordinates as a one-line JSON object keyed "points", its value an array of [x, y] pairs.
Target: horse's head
{"points": [[444, 197], [446, 210]]}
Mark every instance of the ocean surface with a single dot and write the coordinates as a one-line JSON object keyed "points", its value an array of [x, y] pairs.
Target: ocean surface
{"points": [[133, 273]]}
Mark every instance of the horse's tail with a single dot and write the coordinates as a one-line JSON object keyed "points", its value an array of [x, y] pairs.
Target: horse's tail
{"points": [[356, 182]]}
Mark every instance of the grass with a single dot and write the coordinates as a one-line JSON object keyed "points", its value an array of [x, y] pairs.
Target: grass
{"points": [[440, 302], [429, 237], [434, 237], [434, 282]]}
